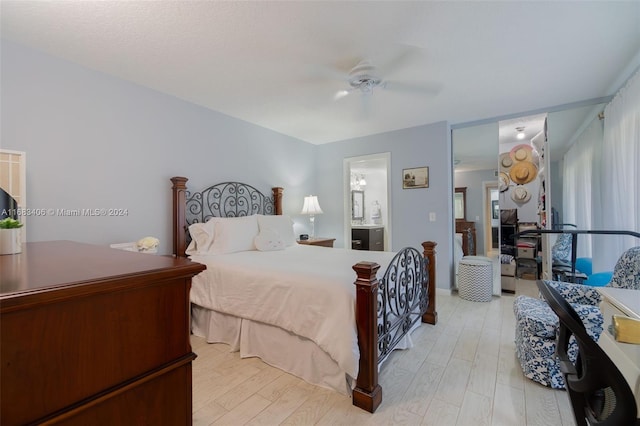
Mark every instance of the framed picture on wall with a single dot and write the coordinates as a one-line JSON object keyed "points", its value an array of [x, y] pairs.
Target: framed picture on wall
{"points": [[495, 209], [415, 178]]}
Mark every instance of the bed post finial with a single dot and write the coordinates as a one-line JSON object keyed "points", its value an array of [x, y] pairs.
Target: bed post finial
{"points": [[431, 316], [367, 393], [179, 189], [277, 199]]}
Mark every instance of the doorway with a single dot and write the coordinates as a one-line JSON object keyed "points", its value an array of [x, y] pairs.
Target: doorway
{"points": [[491, 218], [366, 181]]}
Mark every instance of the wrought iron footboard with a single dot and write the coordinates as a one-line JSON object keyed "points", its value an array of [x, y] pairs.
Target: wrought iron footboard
{"points": [[402, 298]]}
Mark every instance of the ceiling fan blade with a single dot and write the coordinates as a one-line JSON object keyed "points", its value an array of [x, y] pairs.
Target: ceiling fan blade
{"points": [[313, 74], [342, 93], [407, 54], [425, 88], [329, 73]]}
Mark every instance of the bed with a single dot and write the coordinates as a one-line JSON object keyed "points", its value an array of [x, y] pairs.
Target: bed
{"points": [[328, 331]]}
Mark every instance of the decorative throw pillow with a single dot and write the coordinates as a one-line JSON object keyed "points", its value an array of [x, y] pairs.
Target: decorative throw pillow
{"points": [[282, 224], [269, 240]]}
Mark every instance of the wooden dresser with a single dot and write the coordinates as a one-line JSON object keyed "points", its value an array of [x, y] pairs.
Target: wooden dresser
{"points": [[94, 335]]}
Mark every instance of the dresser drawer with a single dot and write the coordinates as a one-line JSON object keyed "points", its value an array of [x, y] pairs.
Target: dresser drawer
{"points": [[528, 253], [376, 239], [508, 269], [370, 238]]}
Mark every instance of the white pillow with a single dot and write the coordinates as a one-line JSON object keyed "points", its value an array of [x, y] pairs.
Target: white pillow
{"points": [[234, 234], [201, 237], [269, 240], [283, 225]]}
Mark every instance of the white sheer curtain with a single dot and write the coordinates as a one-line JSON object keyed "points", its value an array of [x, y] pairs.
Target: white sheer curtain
{"points": [[578, 183], [618, 170]]}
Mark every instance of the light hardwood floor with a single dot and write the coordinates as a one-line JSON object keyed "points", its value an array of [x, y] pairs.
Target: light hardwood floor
{"points": [[463, 371]]}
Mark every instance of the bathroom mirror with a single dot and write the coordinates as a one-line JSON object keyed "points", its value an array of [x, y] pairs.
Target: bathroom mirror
{"points": [[357, 205]]}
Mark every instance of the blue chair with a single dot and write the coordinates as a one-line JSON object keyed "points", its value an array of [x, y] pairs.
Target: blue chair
{"points": [[584, 265], [599, 279]]}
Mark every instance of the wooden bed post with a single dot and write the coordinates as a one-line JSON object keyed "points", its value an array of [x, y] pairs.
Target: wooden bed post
{"points": [[277, 200], [179, 189], [367, 393], [431, 316]]}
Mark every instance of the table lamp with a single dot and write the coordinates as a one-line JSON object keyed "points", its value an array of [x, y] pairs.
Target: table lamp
{"points": [[312, 208]]}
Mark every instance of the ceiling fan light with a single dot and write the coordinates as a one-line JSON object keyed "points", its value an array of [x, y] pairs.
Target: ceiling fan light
{"points": [[340, 94]]}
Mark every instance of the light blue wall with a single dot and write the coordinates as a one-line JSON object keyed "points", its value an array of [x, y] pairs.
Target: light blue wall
{"points": [[94, 141], [414, 147]]}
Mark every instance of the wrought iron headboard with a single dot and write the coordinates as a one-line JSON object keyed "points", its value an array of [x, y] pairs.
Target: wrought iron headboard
{"points": [[227, 199]]}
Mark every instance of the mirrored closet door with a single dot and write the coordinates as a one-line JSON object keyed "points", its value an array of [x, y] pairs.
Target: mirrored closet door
{"points": [[522, 200], [475, 173], [527, 175]]}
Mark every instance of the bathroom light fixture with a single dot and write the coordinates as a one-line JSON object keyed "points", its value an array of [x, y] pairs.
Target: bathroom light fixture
{"points": [[520, 134], [362, 181], [312, 208]]}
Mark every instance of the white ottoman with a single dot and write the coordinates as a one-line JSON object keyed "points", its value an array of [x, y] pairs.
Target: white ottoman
{"points": [[475, 278], [497, 288]]}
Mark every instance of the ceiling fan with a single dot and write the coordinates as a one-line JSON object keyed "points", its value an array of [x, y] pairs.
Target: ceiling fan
{"points": [[363, 77], [366, 78]]}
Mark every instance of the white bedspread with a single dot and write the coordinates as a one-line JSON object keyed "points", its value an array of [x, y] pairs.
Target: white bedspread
{"points": [[307, 290]]}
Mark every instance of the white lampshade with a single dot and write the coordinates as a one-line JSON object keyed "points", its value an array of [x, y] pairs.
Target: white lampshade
{"points": [[311, 205]]}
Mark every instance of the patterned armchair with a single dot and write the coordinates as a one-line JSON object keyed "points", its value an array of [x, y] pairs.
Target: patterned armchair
{"points": [[537, 325]]}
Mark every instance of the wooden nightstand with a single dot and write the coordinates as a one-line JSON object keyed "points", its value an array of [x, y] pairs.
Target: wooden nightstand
{"points": [[318, 241]]}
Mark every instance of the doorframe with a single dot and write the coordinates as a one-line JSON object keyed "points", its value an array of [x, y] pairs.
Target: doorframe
{"points": [[346, 184], [487, 213]]}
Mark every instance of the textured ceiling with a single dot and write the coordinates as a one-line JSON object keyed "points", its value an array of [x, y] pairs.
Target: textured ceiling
{"points": [[279, 64]]}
